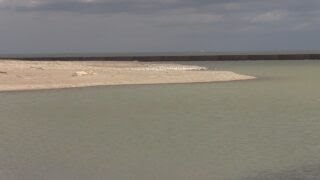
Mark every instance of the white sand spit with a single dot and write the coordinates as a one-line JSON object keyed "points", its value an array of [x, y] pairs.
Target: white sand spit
{"points": [[29, 75]]}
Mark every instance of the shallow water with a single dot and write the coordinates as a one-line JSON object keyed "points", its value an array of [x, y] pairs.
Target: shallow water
{"points": [[267, 128]]}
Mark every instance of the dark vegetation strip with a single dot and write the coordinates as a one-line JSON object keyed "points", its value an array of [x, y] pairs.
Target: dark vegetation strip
{"points": [[226, 57]]}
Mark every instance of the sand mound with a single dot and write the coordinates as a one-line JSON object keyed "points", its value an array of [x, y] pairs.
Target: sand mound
{"points": [[27, 75]]}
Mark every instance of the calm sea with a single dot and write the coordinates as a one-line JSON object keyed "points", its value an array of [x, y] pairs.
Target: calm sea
{"points": [[267, 128]]}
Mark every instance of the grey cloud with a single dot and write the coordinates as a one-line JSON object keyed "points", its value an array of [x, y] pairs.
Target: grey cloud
{"points": [[150, 6], [138, 25], [184, 12], [175, 12], [112, 6], [84, 7]]}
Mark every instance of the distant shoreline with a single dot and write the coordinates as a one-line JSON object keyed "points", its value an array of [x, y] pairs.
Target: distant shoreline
{"points": [[38, 75], [173, 57]]}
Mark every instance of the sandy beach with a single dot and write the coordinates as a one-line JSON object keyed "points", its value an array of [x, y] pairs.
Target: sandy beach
{"points": [[32, 75]]}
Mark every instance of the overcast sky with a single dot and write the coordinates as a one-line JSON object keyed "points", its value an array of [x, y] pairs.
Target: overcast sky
{"points": [[49, 26]]}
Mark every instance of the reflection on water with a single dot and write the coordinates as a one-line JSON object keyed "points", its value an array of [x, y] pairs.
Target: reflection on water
{"points": [[311, 172], [262, 129]]}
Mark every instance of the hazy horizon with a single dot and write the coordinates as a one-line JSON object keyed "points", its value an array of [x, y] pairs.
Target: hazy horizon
{"points": [[201, 52]]}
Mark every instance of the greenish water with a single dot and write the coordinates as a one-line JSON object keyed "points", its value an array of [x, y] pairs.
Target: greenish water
{"points": [[262, 129]]}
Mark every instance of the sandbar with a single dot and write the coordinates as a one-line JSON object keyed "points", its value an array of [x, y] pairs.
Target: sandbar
{"points": [[18, 75]]}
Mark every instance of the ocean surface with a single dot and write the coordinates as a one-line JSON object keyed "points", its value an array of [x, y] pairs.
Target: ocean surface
{"points": [[261, 129]]}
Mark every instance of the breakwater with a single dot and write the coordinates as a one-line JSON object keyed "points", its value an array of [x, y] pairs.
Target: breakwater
{"points": [[218, 57]]}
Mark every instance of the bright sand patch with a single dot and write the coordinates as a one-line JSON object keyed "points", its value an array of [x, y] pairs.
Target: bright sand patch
{"points": [[29, 75]]}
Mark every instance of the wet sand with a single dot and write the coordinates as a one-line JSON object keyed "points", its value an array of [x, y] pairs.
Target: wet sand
{"points": [[30, 75]]}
